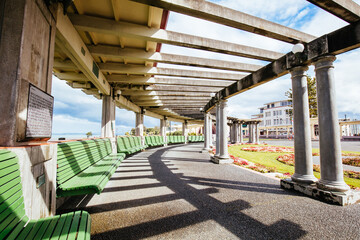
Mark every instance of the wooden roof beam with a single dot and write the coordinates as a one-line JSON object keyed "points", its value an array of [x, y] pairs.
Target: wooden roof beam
{"points": [[130, 30], [138, 54], [346, 10], [230, 17], [115, 78], [337, 42], [142, 70]]}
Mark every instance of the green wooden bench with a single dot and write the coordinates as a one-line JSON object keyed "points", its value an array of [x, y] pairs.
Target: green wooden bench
{"points": [[129, 145], [84, 167], [196, 138], [154, 141], [176, 139], [14, 224]]}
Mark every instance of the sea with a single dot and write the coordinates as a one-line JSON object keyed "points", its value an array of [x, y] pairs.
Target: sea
{"points": [[70, 136]]}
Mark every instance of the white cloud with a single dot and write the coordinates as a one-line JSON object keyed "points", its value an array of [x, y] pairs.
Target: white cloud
{"points": [[70, 124], [347, 81]]}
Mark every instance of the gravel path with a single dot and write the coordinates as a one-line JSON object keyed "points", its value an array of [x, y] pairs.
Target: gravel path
{"points": [[177, 193]]}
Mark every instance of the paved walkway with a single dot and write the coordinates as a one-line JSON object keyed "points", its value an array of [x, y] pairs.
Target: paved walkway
{"points": [[177, 193]]}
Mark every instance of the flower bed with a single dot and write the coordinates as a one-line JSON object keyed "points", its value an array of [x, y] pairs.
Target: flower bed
{"points": [[352, 161], [253, 166], [288, 159], [342, 154], [269, 149]]}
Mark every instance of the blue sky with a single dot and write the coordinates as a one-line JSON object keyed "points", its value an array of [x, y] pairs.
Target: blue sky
{"points": [[76, 112]]}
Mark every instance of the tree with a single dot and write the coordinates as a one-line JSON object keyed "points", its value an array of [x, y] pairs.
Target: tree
{"points": [[89, 134], [311, 86]]}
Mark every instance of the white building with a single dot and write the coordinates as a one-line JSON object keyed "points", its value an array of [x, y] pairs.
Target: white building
{"points": [[275, 117]]}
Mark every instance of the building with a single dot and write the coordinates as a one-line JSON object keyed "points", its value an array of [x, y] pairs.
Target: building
{"points": [[275, 119]]}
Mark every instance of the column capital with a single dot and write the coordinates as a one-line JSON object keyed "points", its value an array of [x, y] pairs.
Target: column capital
{"points": [[324, 62], [223, 103], [298, 71]]}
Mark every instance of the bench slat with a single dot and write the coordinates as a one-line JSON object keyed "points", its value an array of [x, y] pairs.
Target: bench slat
{"points": [[66, 228]]}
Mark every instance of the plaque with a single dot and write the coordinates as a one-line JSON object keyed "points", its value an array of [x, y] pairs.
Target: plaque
{"points": [[39, 114]]}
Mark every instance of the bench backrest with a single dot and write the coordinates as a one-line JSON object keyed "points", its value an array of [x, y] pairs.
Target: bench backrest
{"points": [[138, 141], [75, 157], [12, 209], [120, 144], [132, 142]]}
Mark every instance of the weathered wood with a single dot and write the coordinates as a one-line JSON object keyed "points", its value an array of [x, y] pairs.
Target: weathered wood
{"points": [[142, 55], [230, 17], [337, 42], [123, 29], [348, 11]]}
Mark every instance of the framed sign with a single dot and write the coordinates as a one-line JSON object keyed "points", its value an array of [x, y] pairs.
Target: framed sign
{"points": [[39, 114]]}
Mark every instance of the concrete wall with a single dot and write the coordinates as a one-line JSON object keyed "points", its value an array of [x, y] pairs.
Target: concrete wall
{"points": [[26, 48], [38, 161]]}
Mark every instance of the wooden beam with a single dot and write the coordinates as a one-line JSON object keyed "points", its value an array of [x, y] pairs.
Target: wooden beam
{"points": [[337, 42], [70, 42], [116, 78], [130, 30], [163, 93], [346, 10], [141, 70], [230, 17], [142, 55]]}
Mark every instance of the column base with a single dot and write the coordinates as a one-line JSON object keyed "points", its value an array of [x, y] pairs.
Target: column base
{"points": [[340, 198], [307, 179], [338, 186], [217, 160]]}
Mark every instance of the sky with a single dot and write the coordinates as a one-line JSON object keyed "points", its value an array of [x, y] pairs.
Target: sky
{"points": [[76, 112]]}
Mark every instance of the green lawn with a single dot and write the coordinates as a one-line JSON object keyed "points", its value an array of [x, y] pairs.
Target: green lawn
{"points": [[269, 160]]}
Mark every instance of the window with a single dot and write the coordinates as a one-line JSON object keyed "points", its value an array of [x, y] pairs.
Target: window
{"points": [[280, 112], [268, 114], [272, 105], [274, 113]]}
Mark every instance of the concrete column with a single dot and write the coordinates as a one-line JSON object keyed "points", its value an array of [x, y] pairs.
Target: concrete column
{"points": [[250, 130], [237, 132], [257, 133], [210, 132], [108, 117], [223, 131], [302, 140], [332, 177], [163, 123], [27, 33], [206, 133], [241, 136], [185, 130], [231, 129], [108, 120], [217, 153], [139, 130]]}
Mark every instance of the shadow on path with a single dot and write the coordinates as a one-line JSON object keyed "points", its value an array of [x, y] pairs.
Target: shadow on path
{"points": [[229, 215]]}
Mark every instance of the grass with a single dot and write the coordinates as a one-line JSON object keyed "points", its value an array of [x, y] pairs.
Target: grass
{"points": [[269, 160]]}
